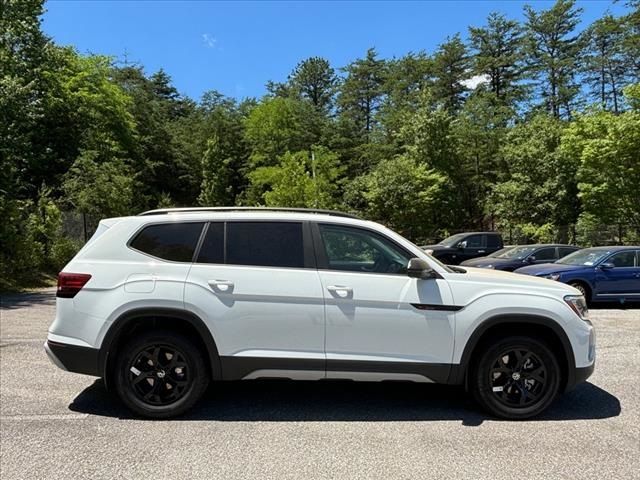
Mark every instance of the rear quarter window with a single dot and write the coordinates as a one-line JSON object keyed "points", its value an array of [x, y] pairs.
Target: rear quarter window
{"points": [[169, 241]]}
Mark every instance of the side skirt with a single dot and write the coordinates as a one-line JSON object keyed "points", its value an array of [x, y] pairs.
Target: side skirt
{"points": [[249, 368]]}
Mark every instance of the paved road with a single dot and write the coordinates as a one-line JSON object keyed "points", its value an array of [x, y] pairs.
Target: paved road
{"points": [[60, 425]]}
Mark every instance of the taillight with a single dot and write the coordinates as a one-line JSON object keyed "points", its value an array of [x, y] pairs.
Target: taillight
{"points": [[71, 283]]}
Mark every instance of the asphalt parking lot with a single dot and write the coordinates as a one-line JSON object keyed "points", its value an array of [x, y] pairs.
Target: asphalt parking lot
{"points": [[55, 424]]}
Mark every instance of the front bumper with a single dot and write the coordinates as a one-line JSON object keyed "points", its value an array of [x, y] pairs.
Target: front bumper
{"points": [[73, 358]]}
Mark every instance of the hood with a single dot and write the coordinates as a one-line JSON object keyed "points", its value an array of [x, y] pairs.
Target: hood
{"points": [[485, 261], [509, 281], [548, 268]]}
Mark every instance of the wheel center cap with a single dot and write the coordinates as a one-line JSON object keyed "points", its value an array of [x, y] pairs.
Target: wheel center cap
{"points": [[515, 376], [160, 374]]}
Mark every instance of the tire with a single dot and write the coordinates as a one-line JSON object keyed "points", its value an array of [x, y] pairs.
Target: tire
{"points": [[516, 378], [160, 374], [583, 289]]}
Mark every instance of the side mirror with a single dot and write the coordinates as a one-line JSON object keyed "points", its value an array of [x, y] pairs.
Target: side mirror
{"points": [[607, 266], [462, 244], [531, 258], [418, 268]]}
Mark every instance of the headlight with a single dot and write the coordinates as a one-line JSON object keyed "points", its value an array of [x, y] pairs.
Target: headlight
{"points": [[553, 276], [429, 251], [578, 304]]}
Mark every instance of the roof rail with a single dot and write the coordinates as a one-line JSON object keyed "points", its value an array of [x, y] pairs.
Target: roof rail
{"points": [[166, 211]]}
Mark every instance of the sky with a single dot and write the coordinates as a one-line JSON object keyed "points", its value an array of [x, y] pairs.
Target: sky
{"points": [[236, 47]]}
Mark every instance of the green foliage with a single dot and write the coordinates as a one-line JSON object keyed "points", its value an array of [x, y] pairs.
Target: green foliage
{"points": [[99, 184], [608, 147], [499, 56], [451, 69], [553, 49], [280, 125], [301, 179], [401, 193]]}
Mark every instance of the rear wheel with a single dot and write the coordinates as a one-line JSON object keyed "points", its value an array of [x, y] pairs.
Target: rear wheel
{"points": [[160, 374], [516, 378]]}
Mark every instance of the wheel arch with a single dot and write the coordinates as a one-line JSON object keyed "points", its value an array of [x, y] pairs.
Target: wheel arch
{"points": [[517, 324], [181, 320]]}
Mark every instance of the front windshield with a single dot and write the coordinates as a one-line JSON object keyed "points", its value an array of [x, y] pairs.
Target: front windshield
{"points": [[499, 252], [587, 257], [517, 253], [452, 240]]}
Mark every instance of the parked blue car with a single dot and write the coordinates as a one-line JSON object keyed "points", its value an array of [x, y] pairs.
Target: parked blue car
{"points": [[600, 273], [521, 255]]}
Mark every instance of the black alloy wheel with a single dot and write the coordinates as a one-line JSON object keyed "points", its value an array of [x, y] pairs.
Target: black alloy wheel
{"points": [[516, 377], [160, 374]]}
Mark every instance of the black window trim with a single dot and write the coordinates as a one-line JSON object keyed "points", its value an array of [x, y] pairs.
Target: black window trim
{"points": [[483, 240], [308, 255], [613, 254], [321, 255], [151, 224]]}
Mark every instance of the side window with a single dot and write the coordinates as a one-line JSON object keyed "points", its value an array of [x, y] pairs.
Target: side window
{"points": [[357, 250], [169, 241], [212, 249], [545, 254], [564, 251], [493, 241], [268, 244], [623, 259], [474, 241]]}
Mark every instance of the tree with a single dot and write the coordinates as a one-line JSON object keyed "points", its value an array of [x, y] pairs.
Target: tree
{"points": [[553, 50], [450, 70], [401, 193], [540, 188], [315, 80], [406, 78], [217, 173], [361, 93], [608, 149], [498, 56], [605, 65], [99, 184], [301, 179], [280, 125]]}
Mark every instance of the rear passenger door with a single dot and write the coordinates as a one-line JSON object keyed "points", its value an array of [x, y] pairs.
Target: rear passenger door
{"points": [[255, 284]]}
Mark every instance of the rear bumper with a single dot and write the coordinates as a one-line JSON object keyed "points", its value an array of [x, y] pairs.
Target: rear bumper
{"points": [[73, 358]]}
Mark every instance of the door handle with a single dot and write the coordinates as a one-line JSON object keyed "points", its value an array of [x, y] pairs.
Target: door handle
{"points": [[481, 251], [221, 286], [340, 290]]}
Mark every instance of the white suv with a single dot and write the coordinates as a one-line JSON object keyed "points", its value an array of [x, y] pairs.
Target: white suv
{"points": [[163, 303]]}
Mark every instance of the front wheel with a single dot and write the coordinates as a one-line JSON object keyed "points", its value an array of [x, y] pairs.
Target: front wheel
{"points": [[516, 378], [160, 374]]}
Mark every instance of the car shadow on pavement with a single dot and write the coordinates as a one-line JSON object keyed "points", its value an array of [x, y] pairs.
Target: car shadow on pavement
{"points": [[12, 301], [343, 401]]}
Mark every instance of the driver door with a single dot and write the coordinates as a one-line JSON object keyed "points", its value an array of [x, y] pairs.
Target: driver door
{"points": [[379, 322]]}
